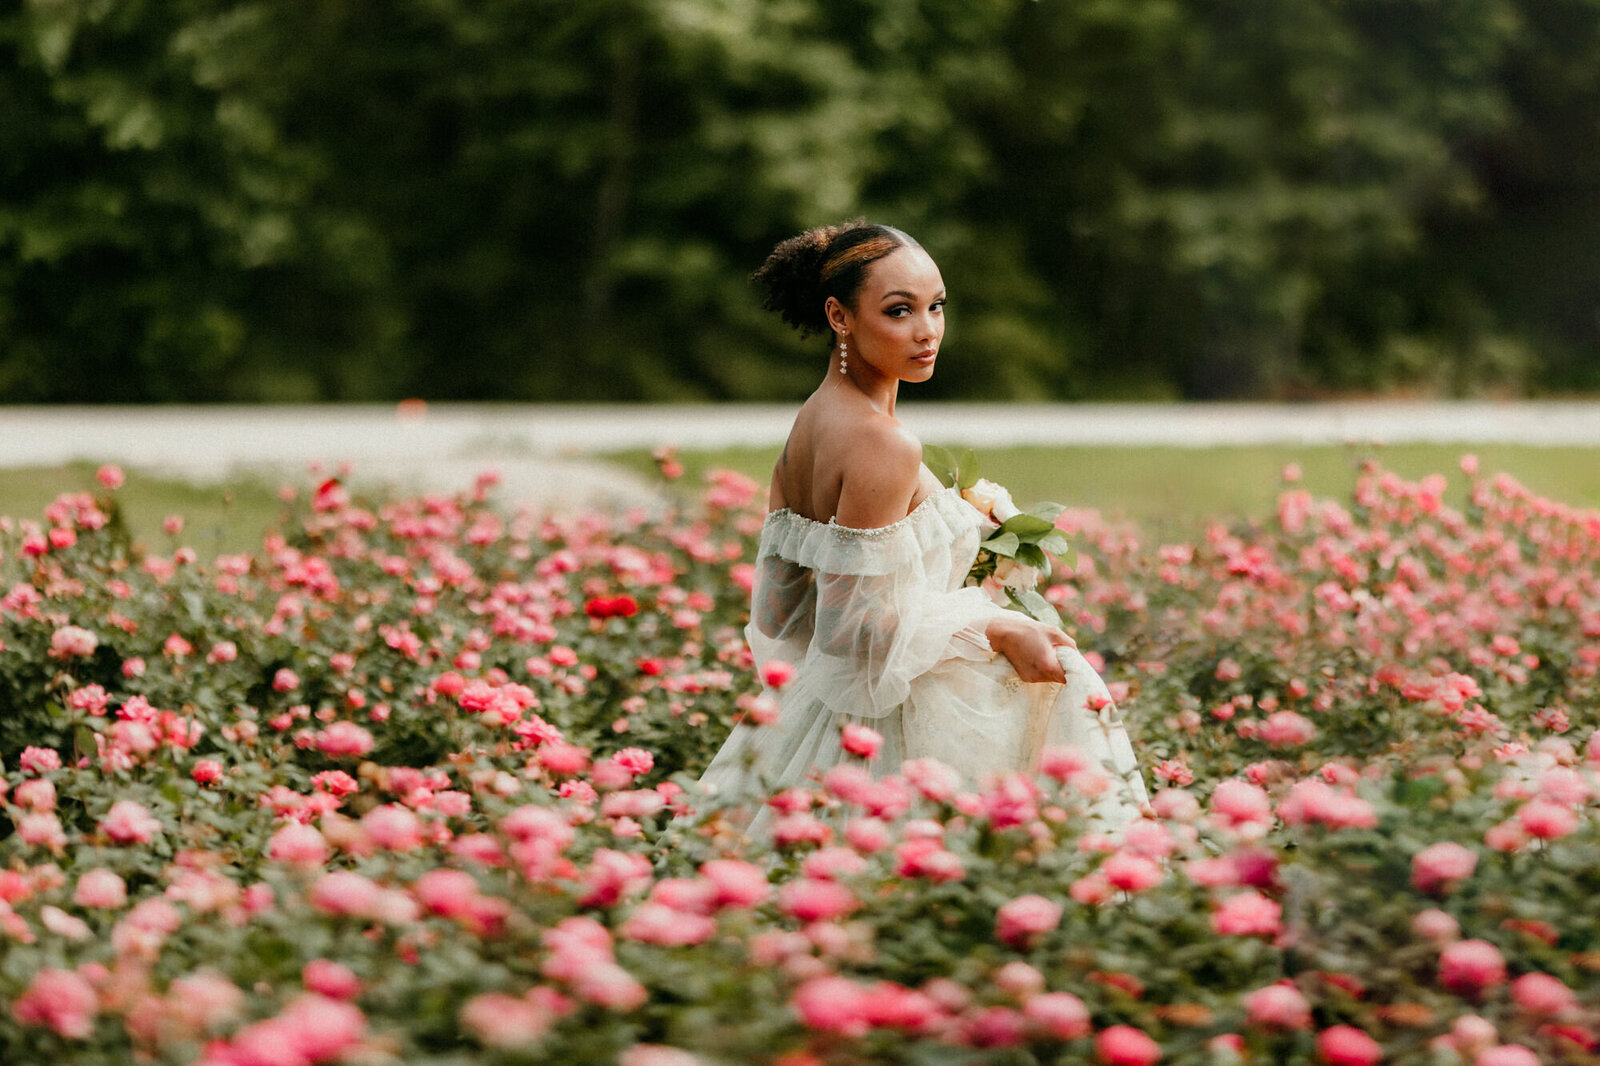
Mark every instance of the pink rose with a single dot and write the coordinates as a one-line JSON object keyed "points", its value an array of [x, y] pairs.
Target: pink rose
{"points": [[738, 884], [559, 757], [1438, 867], [1316, 802], [110, 476], [1470, 966], [867, 835], [1248, 914], [1540, 993], [993, 1027], [206, 772], [932, 778], [345, 892], [1020, 922], [1057, 1015], [100, 888], [130, 823], [657, 923], [1345, 1045], [775, 673], [500, 1020], [328, 978], [1285, 729], [635, 760], [36, 794], [1064, 762], [1546, 820], [285, 680], [41, 830], [831, 1005], [72, 642], [927, 858], [60, 1000], [812, 901], [298, 845], [608, 985], [860, 740], [1123, 1045], [1017, 978], [1506, 1055], [1278, 1007], [444, 891], [1240, 803], [1435, 925], [39, 760], [1175, 805], [612, 876], [203, 1000], [343, 740], [393, 827], [1131, 873]]}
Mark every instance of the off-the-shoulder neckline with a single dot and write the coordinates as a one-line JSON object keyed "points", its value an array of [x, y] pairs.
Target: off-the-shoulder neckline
{"points": [[871, 531]]}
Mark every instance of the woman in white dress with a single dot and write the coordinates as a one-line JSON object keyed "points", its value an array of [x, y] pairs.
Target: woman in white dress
{"points": [[861, 563]]}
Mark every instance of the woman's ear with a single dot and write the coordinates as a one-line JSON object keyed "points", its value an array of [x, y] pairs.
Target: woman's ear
{"points": [[837, 314]]}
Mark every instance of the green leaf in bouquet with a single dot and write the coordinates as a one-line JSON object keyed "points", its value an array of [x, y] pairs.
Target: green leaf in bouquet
{"points": [[1035, 606], [1047, 511], [1003, 543], [944, 465], [1055, 542], [1027, 525], [1030, 555], [967, 468]]}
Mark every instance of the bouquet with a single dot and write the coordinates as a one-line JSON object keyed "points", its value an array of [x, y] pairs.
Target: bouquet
{"points": [[1015, 553]]}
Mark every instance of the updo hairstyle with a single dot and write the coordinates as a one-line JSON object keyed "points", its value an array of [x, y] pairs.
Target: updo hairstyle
{"points": [[802, 272]]}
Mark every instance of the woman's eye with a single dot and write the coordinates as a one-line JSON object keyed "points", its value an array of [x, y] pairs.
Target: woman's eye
{"points": [[900, 311], [938, 305]]}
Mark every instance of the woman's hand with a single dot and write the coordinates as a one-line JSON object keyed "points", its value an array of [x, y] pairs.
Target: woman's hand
{"points": [[1029, 646]]}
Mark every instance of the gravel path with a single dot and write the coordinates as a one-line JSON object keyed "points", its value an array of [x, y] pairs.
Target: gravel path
{"points": [[543, 452]]}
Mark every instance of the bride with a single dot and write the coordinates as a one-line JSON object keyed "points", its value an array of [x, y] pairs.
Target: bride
{"points": [[863, 555]]}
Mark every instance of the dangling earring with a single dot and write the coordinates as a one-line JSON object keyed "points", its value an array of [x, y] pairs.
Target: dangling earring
{"points": [[844, 354]]}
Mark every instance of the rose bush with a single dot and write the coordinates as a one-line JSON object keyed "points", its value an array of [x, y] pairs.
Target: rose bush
{"points": [[415, 783]]}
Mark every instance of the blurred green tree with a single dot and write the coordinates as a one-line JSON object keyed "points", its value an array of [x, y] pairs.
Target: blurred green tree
{"points": [[520, 199]]}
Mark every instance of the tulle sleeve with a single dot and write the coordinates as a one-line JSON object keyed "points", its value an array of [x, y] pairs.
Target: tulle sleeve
{"points": [[863, 612]]}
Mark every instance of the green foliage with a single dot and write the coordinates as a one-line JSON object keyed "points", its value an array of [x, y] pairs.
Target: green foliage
{"points": [[509, 199]]}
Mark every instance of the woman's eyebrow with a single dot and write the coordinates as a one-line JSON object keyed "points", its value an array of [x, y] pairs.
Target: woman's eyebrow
{"points": [[903, 294]]}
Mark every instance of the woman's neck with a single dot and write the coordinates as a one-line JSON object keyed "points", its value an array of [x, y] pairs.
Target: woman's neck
{"points": [[879, 390]]}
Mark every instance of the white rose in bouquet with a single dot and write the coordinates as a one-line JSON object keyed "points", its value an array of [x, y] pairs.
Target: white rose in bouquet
{"points": [[1016, 550], [991, 499]]}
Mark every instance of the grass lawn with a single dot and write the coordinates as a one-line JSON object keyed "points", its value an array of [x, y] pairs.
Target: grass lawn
{"points": [[1162, 487], [218, 518]]}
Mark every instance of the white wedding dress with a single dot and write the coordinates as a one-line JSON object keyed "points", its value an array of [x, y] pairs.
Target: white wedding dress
{"points": [[882, 633]]}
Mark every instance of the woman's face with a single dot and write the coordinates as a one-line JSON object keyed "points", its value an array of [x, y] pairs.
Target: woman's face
{"points": [[898, 320]]}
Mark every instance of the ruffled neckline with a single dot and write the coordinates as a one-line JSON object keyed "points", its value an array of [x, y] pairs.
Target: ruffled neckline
{"points": [[939, 521]]}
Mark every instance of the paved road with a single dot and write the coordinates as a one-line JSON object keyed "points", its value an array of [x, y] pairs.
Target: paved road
{"points": [[543, 452]]}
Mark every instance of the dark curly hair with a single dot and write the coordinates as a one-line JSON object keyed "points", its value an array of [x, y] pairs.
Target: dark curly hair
{"points": [[803, 271]]}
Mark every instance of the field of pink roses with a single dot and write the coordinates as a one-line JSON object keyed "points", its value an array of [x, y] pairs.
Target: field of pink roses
{"points": [[415, 783]]}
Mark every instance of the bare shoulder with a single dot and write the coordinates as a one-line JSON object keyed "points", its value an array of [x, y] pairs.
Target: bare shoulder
{"points": [[881, 471]]}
